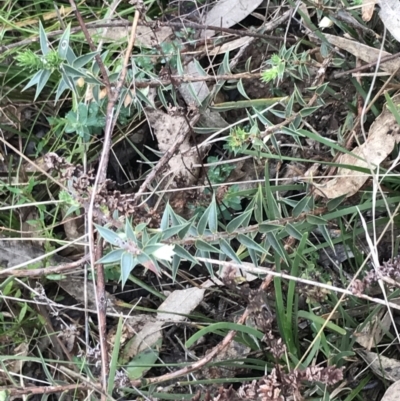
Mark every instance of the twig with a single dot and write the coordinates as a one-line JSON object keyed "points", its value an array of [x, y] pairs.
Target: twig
{"points": [[154, 24], [92, 47], [46, 270], [245, 230], [18, 392], [113, 95], [214, 352], [165, 158], [179, 79]]}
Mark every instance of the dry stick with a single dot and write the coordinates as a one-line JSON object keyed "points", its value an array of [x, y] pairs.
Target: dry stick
{"points": [[178, 79], [18, 392], [165, 158], [65, 267], [245, 230], [214, 352], [36, 167], [92, 46], [101, 296], [100, 293], [366, 66], [154, 24]]}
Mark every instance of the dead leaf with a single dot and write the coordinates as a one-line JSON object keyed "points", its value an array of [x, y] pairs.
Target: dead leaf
{"points": [[390, 16], [364, 52], [392, 393], [368, 9], [227, 47], [383, 135], [384, 367], [145, 36], [181, 301], [195, 93], [166, 128], [177, 304], [370, 334], [227, 13], [21, 350]]}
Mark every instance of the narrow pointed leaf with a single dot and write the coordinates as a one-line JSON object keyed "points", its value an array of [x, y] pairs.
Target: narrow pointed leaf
{"points": [[42, 82], [268, 227], [128, 262], [239, 221], [275, 243], [130, 233], [201, 226], [169, 232], [213, 216], [205, 246], [111, 257], [84, 59], [63, 45], [109, 235], [250, 243], [227, 250], [44, 46], [316, 220], [184, 254]]}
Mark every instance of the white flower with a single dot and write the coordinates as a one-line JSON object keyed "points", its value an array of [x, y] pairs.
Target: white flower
{"points": [[165, 252]]}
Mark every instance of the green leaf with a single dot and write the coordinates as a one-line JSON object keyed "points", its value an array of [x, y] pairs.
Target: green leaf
{"points": [[44, 46], [326, 235], [241, 220], [184, 254], [273, 211], [111, 257], [308, 111], [165, 218], [292, 231], [213, 216], [224, 68], [62, 86], [334, 203], [4, 395], [316, 220], [241, 89], [109, 235], [250, 243], [199, 68], [258, 205], [321, 321], [268, 227], [275, 243], [114, 358], [205, 246], [128, 262], [169, 232], [63, 45], [130, 233], [179, 65], [150, 249], [44, 77], [73, 72], [227, 249], [201, 226], [301, 206], [226, 326], [289, 107], [143, 361], [34, 80], [84, 59]]}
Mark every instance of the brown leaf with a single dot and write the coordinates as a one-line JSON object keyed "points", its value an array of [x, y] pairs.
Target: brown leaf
{"points": [[392, 393], [384, 367], [383, 135], [368, 9]]}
